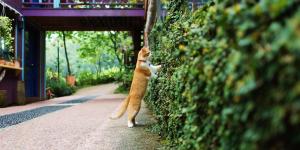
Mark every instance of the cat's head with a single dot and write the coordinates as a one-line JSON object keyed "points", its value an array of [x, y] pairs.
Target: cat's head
{"points": [[144, 54]]}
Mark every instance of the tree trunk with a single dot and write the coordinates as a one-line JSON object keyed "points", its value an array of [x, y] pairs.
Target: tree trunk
{"points": [[97, 70], [113, 38], [98, 67], [58, 60], [66, 53]]}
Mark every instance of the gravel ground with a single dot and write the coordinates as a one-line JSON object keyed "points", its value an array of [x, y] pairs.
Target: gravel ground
{"points": [[81, 126]]}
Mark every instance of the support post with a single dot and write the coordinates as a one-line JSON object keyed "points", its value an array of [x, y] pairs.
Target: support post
{"points": [[34, 63], [16, 39], [42, 65], [23, 48]]}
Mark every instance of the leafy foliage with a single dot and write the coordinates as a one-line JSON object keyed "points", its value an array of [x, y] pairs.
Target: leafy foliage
{"points": [[6, 39], [89, 78], [95, 57], [231, 75], [124, 78]]}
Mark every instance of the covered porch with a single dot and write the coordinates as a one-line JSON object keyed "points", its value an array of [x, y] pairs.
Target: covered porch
{"points": [[31, 20]]}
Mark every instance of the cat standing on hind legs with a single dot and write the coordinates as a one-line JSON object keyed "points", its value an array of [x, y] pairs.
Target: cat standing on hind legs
{"points": [[142, 73]]}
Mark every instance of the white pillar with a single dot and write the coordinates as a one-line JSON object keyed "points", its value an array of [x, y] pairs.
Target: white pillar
{"points": [[56, 3]]}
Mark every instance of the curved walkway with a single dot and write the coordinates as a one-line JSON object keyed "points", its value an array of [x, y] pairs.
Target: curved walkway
{"points": [[83, 123]]}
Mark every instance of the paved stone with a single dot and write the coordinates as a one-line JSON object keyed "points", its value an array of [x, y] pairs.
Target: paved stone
{"points": [[14, 109], [82, 126], [16, 118], [79, 100], [115, 135], [19, 117]]}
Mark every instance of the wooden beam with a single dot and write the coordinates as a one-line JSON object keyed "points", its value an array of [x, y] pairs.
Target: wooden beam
{"points": [[83, 13]]}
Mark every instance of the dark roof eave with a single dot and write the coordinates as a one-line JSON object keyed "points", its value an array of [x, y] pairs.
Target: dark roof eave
{"points": [[10, 7]]}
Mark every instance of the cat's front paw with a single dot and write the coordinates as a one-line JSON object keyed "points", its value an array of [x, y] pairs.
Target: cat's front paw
{"points": [[153, 76], [158, 68]]}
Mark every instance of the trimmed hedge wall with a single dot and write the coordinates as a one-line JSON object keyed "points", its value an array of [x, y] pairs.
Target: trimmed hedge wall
{"points": [[231, 75]]}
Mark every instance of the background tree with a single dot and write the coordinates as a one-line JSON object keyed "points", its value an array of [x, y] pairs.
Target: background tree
{"points": [[96, 57], [121, 42], [64, 34]]}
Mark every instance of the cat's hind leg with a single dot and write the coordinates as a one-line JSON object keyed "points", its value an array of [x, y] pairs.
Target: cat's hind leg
{"points": [[135, 122], [130, 124], [131, 118], [132, 113]]}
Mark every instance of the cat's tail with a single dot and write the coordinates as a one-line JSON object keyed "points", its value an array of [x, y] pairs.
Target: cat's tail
{"points": [[122, 110]]}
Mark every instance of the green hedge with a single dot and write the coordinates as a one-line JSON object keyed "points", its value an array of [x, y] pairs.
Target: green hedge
{"points": [[90, 78], [231, 75]]}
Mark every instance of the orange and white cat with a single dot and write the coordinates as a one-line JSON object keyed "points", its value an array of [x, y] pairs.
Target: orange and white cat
{"points": [[142, 73]]}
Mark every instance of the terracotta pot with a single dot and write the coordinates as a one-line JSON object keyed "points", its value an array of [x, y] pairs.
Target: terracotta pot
{"points": [[2, 62], [71, 80]]}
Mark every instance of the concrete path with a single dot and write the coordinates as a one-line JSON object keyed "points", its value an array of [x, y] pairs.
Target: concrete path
{"points": [[77, 125]]}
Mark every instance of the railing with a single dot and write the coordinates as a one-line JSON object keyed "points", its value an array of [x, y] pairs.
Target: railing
{"points": [[82, 4], [194, 4]]}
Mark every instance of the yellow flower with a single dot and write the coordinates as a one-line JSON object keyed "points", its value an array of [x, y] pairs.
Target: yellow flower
{"points": [[205, 50], [237, 8], [212, 9], [181, 47]]}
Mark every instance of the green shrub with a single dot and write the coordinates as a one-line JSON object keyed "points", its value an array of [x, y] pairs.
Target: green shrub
{"points": [[60, 87], [124, 78], [89, 78], [231, 75]]}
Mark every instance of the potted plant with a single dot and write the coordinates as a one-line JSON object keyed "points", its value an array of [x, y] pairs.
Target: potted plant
{"points": [[6, 41]]}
